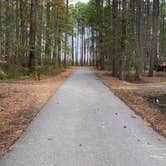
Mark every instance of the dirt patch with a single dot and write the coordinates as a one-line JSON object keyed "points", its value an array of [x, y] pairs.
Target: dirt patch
{"points": [[134, 96], [20, 101]]}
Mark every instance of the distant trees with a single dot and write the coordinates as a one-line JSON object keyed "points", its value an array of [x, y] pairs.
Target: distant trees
{"points": [[126, 37]]}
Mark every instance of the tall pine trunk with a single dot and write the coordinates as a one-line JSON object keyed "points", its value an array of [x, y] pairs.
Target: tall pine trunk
{"points": [[153, 55], [139, 40], [72, 46], [115, 38], [32, 34], [123, 41], [66, 37]]}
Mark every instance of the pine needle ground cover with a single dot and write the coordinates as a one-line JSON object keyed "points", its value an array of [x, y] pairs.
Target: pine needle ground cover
{"points": [[136, 95], [20, 101]]}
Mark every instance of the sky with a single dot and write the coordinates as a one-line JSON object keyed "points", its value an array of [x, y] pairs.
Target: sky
{"points": [[75, 1]]}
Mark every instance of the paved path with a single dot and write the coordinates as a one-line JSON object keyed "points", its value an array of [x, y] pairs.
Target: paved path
{"points": [[84, 124]]}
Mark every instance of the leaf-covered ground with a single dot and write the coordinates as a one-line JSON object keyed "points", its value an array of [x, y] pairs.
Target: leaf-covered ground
{"points": [[134, 94], [20, 101]]}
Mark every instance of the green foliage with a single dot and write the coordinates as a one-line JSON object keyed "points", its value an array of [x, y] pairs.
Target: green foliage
{"points": [[17, 71], [52, 23], [52, 70], [130, 76], [40, 68], [49, 22], [163, 80], [2, 74], [3, 65]]}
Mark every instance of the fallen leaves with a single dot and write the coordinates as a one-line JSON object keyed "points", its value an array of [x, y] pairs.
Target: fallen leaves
{"points": [[20, 101], [133, 95]]}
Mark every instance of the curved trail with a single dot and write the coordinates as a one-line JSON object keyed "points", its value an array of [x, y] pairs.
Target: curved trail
{"points": [[84, 124]]}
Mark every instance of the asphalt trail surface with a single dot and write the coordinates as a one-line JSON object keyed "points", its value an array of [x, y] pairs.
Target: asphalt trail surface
{"points": [[85, 124]]}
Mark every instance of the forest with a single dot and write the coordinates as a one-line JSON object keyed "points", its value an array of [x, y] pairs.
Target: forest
{"points": [[127, 37], [83, 81]]}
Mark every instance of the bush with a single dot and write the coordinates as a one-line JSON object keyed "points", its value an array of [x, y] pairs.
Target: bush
{"points": [[130, 76], [2, 74], [39, 69], [19, 72], [3, 65], [52, 70]]}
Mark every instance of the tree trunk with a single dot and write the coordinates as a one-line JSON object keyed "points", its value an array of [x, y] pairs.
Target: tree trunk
{"points": [[32, 34], [153, 55], [82, 45], [47, 37], [72, 47], [147, 35], [17, 28], [66, 36], [139, 41], [115, 38], [123, 42]]}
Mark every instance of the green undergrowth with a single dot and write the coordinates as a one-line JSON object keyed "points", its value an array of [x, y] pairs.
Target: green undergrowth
{"points": [[14, 72], [163, 79]]}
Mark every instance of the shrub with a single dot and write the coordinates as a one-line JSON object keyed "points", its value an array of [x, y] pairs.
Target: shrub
{"points": [[39, 69], [2, 74], [130, 76], [3, 65]]}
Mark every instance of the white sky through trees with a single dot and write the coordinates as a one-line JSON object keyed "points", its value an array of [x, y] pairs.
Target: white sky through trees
{"points": [[75, 1], [79, 45]]}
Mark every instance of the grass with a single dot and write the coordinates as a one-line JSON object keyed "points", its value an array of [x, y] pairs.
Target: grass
{"points": [[163, 80]]}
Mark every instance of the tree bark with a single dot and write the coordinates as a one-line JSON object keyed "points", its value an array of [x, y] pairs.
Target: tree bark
{"points": [[153, 55], [32, 34], [115, 38], [66, 36], [123, 42], [139, 41]]}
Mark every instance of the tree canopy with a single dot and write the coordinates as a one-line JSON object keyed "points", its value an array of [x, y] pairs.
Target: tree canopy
{"points": [[127, 37]]}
